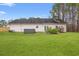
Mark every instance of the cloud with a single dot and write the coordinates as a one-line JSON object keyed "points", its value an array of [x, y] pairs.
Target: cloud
{"points": [[7, 4], [2, 13]]}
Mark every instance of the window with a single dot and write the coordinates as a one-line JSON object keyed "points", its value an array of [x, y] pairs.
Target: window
{"points": [[46, 28], [57, 27], [36, 26]]}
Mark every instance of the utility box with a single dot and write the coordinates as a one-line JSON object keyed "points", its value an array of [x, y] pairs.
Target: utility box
{"points": [[27, 31]]}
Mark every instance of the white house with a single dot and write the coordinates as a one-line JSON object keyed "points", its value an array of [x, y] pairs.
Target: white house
{"points": [[38, 24]]}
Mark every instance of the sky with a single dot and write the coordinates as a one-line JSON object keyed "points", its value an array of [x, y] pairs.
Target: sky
{"points": [[24, 10]]}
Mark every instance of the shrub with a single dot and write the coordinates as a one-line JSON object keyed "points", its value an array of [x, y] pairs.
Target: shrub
{"points": [[11, 31], [53, 31], [61, 30]]}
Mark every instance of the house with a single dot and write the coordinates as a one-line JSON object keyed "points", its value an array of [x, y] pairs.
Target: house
{"points": [[40, 25]]}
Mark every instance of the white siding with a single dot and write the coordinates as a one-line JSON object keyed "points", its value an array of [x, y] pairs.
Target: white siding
{"points": [[21, 27]]}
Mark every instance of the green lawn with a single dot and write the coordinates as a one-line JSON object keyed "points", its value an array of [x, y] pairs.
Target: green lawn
{"points": [[39, 44]]}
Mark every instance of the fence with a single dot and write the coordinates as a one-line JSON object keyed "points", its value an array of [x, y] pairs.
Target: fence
{"points": [[73, 27], [4, 29]]}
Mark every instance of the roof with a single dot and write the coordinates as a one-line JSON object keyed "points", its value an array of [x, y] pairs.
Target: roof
{"points": [[34, 21]]}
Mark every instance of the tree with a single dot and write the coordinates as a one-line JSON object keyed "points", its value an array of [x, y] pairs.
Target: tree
{"points": [[58, 11], [3, 23], [69, 13]]}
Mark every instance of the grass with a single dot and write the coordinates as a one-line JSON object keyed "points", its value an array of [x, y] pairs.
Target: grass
{"points": [[39, 44]]}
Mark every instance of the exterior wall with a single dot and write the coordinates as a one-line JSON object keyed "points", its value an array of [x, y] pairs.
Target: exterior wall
{"points": [[21, 27]]}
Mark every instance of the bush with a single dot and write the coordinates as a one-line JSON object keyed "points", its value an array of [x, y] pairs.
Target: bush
{"points": [[53, 31], [61, 30], [11, 31]]}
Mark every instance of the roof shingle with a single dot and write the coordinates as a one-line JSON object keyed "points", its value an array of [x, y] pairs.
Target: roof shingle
{"points": [[34, 21]]}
